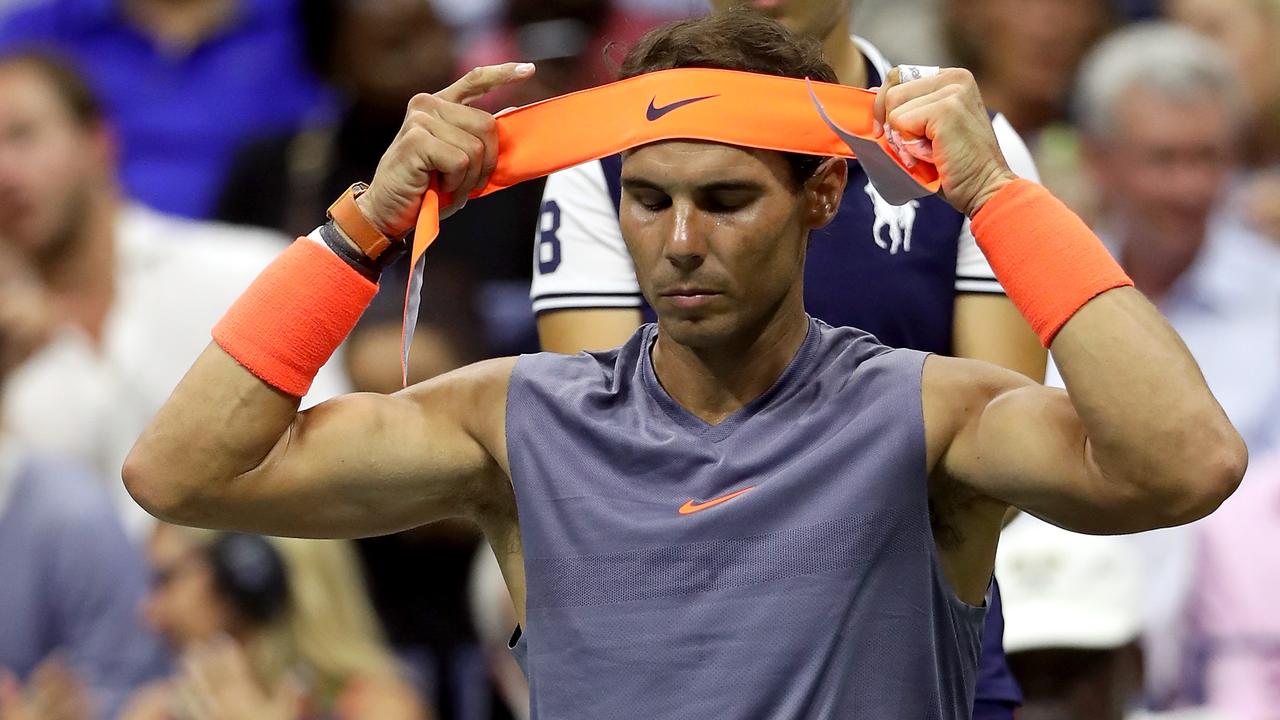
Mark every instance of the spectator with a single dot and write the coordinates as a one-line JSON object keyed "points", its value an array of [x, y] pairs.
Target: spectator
{"points": [[72, 582], [184, 82], [1235, 638], [272, 628], [567, 39], [1073, 617], [118, 342], [1249, 32], [1025, 52], [1160, 112], [286, 181]]}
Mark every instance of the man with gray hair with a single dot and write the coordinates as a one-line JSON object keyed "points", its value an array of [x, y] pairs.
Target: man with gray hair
{"points": [[1160, 111]]}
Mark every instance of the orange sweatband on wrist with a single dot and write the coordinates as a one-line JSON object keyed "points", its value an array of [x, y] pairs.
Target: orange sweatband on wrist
{"points": [[1049, 262], [287, 324]]}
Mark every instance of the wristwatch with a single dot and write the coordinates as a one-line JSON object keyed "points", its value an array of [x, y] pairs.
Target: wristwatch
{"points": [[347, 216]]}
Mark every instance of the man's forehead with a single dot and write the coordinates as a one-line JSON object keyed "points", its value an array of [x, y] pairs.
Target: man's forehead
{"points": [[691, 160]]}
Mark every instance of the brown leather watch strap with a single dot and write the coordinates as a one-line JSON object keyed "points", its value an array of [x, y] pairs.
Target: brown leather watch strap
{"points": [[346, 215]]}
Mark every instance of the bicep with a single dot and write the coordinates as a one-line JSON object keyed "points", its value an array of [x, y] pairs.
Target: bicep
{"points": [[1004, 437], [367, 464]]}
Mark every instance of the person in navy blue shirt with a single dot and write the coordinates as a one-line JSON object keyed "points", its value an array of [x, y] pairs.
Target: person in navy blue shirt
{"points": [[912, 275], [184, 83]]}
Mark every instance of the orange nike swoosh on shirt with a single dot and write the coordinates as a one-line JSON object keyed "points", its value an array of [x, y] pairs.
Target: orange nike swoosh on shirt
{"points": [[692, 506]]}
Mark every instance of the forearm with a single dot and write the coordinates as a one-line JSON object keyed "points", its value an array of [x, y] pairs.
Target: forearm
{"points": [[241, 396], [1150, 425], [220, 422], [1149, 416]]}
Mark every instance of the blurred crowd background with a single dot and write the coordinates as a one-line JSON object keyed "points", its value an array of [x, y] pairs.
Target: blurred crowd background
{"points": [[155, 154]]}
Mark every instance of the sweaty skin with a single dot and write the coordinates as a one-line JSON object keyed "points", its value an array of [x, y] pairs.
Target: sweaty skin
{"points": [[984, 327], [717, 234]]}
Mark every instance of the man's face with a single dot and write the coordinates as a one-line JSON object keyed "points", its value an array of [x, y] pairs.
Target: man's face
{"points": [[402, 49], [814, 18], [1032, 46], [1165, 164], [718, 235], [49, 163]]}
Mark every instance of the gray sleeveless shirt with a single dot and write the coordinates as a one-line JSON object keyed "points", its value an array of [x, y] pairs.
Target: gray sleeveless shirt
{"points": [[779, 564]]}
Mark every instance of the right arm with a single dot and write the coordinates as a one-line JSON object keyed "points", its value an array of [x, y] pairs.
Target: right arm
{"points": [[230, 449], [584, 288]]}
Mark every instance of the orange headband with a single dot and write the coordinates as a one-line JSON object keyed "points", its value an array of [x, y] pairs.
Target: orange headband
{"points": [[724, 106]]}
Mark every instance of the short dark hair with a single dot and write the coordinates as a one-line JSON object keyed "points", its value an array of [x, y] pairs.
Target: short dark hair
{"points": [[735, 39], [66, 79]]}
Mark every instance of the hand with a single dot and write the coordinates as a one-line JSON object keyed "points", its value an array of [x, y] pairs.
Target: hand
{"points": [[216, 683], [440, 134], [152, 702], [946, 110], [54, 692]]}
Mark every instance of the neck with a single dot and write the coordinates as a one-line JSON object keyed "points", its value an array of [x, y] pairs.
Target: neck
{"points": [[82, 280], [844, 55], [181, 24], [1155, 266], [713, 383]]}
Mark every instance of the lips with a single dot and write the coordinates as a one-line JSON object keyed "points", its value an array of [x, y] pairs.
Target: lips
{"points": [[690, 298]]}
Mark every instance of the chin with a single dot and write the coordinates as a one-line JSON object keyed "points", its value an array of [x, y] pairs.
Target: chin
{"points": [[701, 332]]}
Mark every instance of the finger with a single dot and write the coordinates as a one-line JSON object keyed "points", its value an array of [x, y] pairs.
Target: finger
{"points": [[477, 82], [449, 160], [904, 93], [882, 94], [470, 145]]}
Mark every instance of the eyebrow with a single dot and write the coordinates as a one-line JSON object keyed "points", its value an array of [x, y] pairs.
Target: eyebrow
{"points": [[638, 183]]}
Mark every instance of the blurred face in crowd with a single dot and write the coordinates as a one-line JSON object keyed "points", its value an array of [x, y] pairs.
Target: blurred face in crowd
{"points": [[50, 164], [1030, 48], [1165, 163], [814, 18], [718, 235], [183, 605], [1249, 31], [389, 50]]}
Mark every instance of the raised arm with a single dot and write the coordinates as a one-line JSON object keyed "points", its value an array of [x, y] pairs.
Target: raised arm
{"points": [[1137, 441], [229, 449]]}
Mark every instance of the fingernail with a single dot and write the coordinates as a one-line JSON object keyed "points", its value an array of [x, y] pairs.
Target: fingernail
{"points": [[877, 127], [874, 89], [907, 158], [524, 69]]}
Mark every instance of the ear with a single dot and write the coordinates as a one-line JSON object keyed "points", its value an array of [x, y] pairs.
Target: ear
{"points": [[823, 192]]}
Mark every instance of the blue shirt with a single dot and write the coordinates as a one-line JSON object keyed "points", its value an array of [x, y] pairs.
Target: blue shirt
{"points": [[179, 117], [72, 582]]}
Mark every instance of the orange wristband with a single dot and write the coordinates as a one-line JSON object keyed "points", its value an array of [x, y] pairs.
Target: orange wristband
{"points": [[1049, 262], [287, 324]]}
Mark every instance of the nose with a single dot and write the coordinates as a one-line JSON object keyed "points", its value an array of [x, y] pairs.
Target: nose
{"points": [[686, 245]]}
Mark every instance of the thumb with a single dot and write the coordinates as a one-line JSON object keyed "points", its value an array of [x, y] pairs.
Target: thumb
{"points": [[478, 81]]}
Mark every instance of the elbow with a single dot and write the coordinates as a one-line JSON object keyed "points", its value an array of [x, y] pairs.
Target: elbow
{"points": [[154, 484], [1208, 473]]}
